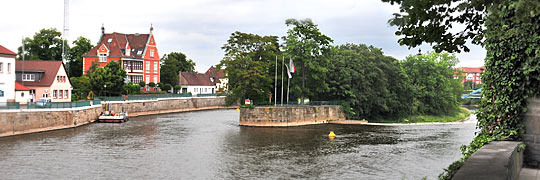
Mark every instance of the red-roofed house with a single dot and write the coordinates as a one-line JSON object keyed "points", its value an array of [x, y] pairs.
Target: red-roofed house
{"points": [[22, 93], [137, 53], [472, 74], [7, 75], [199, 83], [45, 79]]}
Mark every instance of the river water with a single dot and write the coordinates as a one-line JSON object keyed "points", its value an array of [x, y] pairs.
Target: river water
{"points": [[211, 145]]}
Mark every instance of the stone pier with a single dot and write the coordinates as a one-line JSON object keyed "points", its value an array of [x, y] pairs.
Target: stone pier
{"points": [[289, 116]]}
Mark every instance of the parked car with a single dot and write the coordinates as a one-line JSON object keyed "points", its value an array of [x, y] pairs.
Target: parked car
{"points": [[44, 102]]}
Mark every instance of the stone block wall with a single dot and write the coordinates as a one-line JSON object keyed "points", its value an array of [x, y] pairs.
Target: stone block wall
{"points": [[289, 116], [531, 138], [137, 108], [30, 121]]}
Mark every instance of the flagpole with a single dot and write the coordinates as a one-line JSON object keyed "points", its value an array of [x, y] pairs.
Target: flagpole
{"points": [[288, 82], [282, 60], [275, 86]]}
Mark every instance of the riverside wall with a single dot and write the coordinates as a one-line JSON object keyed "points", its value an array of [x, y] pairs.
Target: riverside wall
{"points": [[149, 107], [289, 116], [23, 121], [15, 122], [531, 138]]}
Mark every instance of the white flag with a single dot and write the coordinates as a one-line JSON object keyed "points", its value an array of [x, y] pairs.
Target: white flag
{"points": [[288, 72]]}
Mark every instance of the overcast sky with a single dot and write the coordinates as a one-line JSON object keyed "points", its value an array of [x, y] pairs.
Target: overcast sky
{"points": [[199, 28]]}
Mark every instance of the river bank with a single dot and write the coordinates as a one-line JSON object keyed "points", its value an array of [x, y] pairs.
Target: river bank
{"points": [[460, 118]]}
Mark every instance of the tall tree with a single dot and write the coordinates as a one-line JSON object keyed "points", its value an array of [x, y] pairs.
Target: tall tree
{"points": [[108, 80], [307, 46], [45, 45], [248, 62], [74, 57], [172, 64]]}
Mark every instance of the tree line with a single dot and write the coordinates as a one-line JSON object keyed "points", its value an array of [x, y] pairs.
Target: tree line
{"points": [[367, 83]]}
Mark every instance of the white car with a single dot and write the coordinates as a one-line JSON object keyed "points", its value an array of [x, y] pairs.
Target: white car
{"points": [[44, 102]]}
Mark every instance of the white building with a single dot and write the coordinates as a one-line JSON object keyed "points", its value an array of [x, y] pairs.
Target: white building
{"points": [[196, 83], [7, 75]]}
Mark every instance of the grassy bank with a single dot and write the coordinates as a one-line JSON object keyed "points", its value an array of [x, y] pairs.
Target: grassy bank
{"points": [[462, 114]]}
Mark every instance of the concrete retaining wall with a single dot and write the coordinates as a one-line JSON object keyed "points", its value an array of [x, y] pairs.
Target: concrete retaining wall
{"points": [[14, 122], [496, 160], [289, 116], [17, 122], [531, 137], [138, 108]]}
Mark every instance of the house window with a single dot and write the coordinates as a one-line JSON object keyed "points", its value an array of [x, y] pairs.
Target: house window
{"points": [[102, 57], [66, 94], [147, 78], [9, 68], [151, 53], [138, 65], [1, 67], [45, 95], [155, 67], [155, 79], [195, 90], [147, 67], [61, 94], [54, 94], [28, 77]]}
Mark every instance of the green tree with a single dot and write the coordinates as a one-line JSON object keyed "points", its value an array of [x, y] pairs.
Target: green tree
{"points": [[248, 62], [74, 57], [177, 88], [369, 84], [81, 87], [308, 47], [432, 78], [45, 45], [108, 80], [131, 88], [152, 84], [142, 83], [172, 64]]}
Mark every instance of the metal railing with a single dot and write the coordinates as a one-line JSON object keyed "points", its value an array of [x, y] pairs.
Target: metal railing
{"points": [[211, 95], [142, 97], [9, 105], [295, 103], [57, 105]]}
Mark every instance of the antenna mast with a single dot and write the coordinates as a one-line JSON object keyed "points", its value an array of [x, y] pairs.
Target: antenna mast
{"points": [[65, 34]]}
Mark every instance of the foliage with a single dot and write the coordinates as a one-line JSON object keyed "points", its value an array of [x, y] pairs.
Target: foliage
{"points": [[459, 115], [511, 30], [308, 48], [45, 45], [131, 88], [152, 84], [369, 84], [436, 92], [433, 22], [108, 80], [177, 88], [74, 56], [81, 87], [248, 61], [172, 64], [166, 87], [142, 83]]}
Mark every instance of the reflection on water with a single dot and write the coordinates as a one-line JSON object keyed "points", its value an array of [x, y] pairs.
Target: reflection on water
{"points": [[211, 145]]}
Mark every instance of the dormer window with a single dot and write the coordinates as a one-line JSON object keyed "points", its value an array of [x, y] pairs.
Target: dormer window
{"points": [[127, 52], [102, 57], [109, 40], [139, 52]]}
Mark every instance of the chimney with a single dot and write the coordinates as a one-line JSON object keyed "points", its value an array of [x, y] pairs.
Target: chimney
{"points": [[151, 28], [102, 29]]}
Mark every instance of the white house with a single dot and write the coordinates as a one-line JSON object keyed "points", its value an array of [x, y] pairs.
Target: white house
{"points": [[7, 75], [22, 94], [196, 83], [218, 77]]}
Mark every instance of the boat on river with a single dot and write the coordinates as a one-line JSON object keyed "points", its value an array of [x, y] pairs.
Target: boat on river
{"points": [[110, 117]]}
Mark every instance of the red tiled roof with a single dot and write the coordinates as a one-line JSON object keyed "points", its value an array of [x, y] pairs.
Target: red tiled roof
{"points": [[6, 52], [137, 42], [195, 79], [20, 87], [217, 74], [50, 67], [473, 69]]}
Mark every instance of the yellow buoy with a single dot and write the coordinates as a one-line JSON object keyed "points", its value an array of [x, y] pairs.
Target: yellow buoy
{"points": [[237, 109], [332, 134]]}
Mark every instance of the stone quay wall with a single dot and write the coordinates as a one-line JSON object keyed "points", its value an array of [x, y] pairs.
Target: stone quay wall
{"points": [[15, 122], [289, 116], [160, 106], [531, 138], [23, 121]]}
